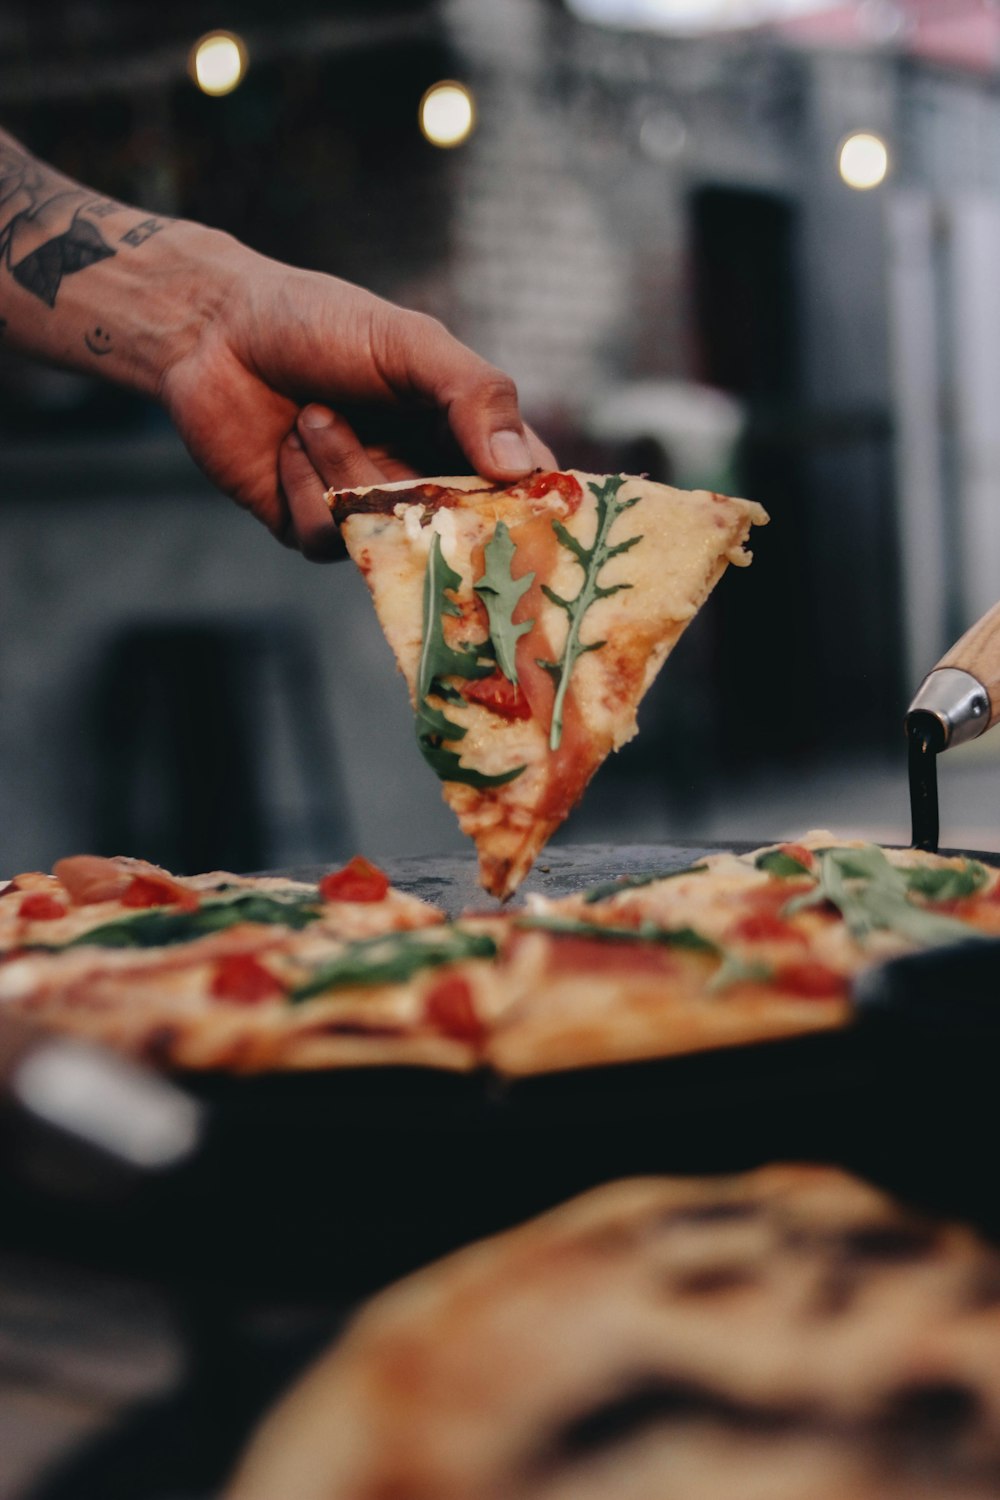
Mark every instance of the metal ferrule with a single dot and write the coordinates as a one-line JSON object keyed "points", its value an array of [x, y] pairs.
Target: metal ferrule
{"points": [[957, 700]]}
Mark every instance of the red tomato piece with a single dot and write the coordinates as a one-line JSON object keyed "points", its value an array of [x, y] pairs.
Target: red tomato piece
{"points": [[157, 890], [243, 978], [568, 487], [37, 907], [449, 1007], [501, 696], [359, 880], [572, 953], [764, 926], [811, 980], [799, 853]]}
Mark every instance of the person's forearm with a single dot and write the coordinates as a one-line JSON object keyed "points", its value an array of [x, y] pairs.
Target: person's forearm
{"points": [[94, 285]]}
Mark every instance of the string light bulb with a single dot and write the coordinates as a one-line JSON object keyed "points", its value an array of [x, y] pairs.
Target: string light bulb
{"points": [[218, 62], [447, 114], [863, 160]]}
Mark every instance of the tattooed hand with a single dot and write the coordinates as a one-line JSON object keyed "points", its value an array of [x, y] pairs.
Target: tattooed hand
{"points": [[299, 382], [281, 382]]}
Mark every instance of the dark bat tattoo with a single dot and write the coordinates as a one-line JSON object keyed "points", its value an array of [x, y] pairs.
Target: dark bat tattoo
{"points": [[42, 271], [44, 235]]}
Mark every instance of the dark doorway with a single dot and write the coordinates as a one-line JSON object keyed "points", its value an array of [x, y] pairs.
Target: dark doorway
{"points": [[747, 342]]}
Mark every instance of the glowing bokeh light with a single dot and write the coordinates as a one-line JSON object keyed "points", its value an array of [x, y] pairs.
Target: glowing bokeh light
{"points": [[447, 114], [218, 62], [863, 160]]}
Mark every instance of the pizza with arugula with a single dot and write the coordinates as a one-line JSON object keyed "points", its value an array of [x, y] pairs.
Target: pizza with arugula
{"points": [[529, 620], [250, 974]]}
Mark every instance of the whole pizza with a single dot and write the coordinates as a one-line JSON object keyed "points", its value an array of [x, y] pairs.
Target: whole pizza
{"points": [[246, 974]]}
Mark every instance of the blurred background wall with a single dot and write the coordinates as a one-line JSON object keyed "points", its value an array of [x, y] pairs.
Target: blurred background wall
{"points": [[650, 228]]}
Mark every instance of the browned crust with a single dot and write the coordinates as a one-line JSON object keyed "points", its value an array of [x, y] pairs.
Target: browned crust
{"points": [[377, 502]]}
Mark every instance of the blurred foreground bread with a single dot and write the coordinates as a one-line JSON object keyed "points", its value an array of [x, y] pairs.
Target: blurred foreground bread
{"points": [[788, 1334]]}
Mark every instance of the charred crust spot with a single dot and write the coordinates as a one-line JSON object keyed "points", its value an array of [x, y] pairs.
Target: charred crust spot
{"points": [[929, 1414], [352, 1028], [649, 1402], [889, 1242], [737, 1211], [714, 1281], [383, 502], [880, 1243]]}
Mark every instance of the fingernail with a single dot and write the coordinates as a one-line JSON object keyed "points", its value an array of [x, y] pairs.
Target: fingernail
{"points": [[510, 452], [293, 440], [315, 417]]}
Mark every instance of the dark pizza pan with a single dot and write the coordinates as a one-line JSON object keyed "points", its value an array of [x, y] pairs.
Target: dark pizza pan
{"points": [[349, 1178]]}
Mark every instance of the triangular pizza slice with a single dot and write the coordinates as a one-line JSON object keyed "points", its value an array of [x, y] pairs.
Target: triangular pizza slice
{"points": [[528, 621]]}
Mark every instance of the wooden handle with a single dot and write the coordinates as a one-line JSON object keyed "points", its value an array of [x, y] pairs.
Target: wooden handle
{"points": [[978, 652]]}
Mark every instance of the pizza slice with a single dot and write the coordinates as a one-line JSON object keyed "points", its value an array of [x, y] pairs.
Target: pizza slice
{"points": [[529, 621]]}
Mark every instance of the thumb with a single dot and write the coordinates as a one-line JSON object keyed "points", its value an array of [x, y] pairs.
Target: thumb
{"points": [[479, 400]]}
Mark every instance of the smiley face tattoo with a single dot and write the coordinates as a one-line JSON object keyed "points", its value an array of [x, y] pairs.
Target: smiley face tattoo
{"points": [[98, 341]]}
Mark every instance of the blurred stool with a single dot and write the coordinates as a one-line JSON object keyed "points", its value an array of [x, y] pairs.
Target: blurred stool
{"points": [[212, 747]]}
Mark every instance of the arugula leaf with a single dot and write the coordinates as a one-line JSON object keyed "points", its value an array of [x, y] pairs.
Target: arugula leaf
{"points": [[611, 888], [501, 593], [777, 862], [591, 559], [437, 658], [646, 932], [438, 661], [394, 958], [161, 928], [946, 882], [871, 894], [735, 969]]}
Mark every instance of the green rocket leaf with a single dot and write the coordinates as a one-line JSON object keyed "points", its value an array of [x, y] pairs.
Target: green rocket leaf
{"points": [[394, 958], [501, 593], [439, 661], [591, 560], [871, 894]]}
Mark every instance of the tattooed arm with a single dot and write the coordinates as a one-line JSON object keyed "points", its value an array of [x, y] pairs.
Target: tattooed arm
{"points": [[249, 356]]}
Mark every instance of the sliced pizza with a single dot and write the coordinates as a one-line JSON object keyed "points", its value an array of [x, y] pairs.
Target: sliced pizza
{"points": [[89, 900], [529, 621], [242, 973], [250, 974], [260, 997]]}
